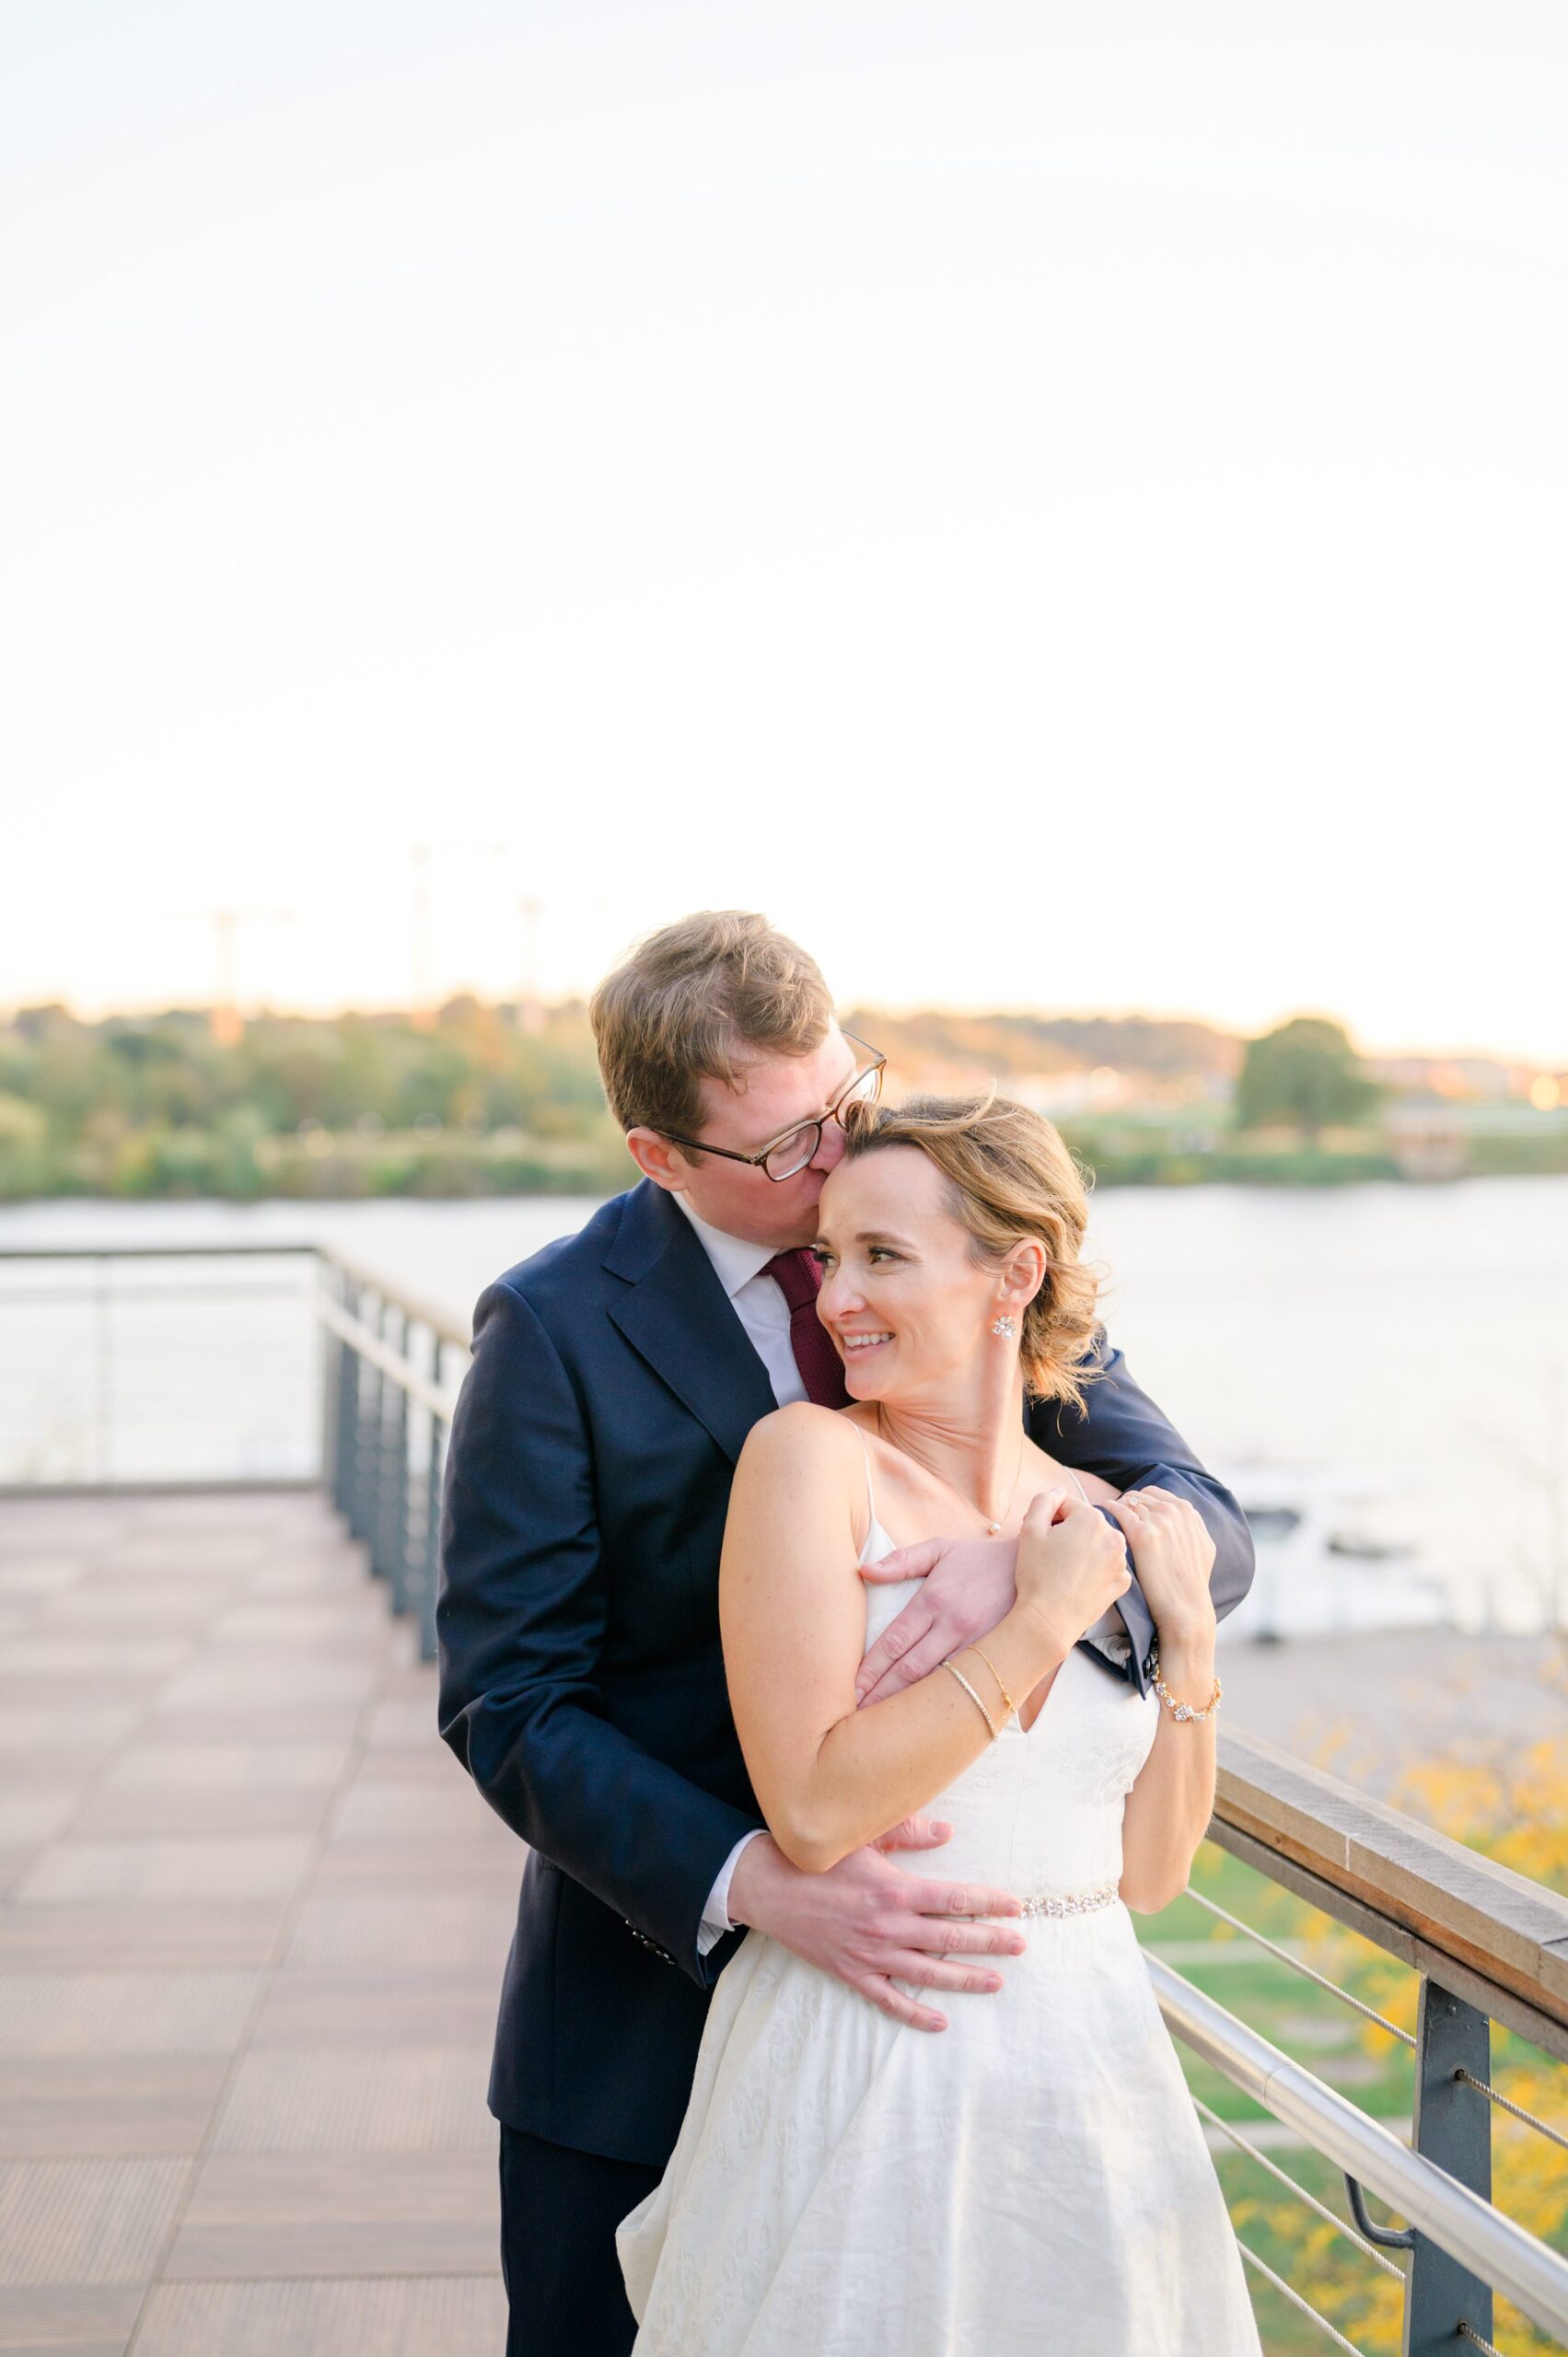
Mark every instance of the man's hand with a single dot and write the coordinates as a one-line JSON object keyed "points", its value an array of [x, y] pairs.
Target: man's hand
{"points": [[865, 1921], [969, 1586]]}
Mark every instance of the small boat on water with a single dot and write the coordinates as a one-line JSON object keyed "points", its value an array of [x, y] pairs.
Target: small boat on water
{"points": [[1324, 1567]]}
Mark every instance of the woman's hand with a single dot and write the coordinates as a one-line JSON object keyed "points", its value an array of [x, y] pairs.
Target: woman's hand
{"points": [[1174, 1555], [1072, 1564]]}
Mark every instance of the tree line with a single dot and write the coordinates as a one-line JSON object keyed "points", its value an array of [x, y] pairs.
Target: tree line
{"points": [[485, 1099]]}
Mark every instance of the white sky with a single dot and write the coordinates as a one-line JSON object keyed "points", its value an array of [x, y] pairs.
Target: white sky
{"points": [[1061, 504]]}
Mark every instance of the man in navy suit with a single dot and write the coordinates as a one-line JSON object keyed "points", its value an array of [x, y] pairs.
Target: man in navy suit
{"points": [[615, 1377]]}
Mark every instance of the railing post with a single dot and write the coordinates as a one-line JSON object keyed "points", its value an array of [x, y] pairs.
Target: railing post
{"points": [[367, 1469], [1452, 2127], [331, 1358], [392, 1515], [430, 1568], [346, 1454]]}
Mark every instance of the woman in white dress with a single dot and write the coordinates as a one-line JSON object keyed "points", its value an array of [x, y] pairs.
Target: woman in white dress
{"points": [[1034, 2178]]}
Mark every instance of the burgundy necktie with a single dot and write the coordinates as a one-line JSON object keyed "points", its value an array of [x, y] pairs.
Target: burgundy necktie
{"points": [[800, 1279]]}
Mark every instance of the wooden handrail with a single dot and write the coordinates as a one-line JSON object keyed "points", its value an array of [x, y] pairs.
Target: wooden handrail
{"points": [[359, 1272], [380, 1354], [1488, 1934]]}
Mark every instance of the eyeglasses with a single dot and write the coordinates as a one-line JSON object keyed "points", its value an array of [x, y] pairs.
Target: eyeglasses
{"points": [[783, 1157]]}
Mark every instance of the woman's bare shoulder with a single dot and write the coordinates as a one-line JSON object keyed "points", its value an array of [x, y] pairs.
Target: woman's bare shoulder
{"points": [[799, 1478], [800, 1434]]}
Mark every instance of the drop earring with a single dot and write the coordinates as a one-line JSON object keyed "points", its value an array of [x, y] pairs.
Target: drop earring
{"points": [[1005, 1325]]}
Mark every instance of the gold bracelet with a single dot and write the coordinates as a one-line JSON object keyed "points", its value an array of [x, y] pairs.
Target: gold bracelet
{"points": [[974, 1698], [1180, 1710], [1008, 1705]]}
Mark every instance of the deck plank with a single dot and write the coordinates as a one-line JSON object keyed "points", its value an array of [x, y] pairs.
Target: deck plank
{"points": [[252, 1927], [385, 2316]]}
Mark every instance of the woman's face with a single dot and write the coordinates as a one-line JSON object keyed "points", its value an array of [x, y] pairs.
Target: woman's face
{"points": [[907, 1307]]}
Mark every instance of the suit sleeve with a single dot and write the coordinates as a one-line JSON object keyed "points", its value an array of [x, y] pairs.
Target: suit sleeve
{"points": [[521, 1621], [1122, 1435]]}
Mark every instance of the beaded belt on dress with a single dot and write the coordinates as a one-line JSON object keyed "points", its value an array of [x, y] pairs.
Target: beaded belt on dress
{"points": [[1072, 1902]]}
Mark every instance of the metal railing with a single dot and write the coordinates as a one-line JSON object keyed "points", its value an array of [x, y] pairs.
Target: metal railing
{"points": [[389, 1369], [388, 1395], [1488, 1945]]}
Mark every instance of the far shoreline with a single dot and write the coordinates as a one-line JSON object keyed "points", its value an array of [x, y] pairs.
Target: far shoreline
{"points": [[1102, 1178]]}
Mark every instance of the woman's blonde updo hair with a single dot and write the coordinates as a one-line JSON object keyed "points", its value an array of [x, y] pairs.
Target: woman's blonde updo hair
{"points": [[1009, 1178]]}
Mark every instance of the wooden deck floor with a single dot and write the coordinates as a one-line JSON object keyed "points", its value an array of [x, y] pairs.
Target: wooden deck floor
{"points": [[252, 1923]]}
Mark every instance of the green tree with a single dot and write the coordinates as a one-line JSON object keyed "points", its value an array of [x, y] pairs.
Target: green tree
{"points": [[1308, 1073]]}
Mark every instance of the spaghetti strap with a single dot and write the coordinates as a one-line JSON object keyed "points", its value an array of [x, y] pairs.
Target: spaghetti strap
{"points": [[1076, 1483]]}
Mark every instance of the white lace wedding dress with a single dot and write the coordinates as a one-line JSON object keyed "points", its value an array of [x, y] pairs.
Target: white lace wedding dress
{"points": [[1033, 2178]]}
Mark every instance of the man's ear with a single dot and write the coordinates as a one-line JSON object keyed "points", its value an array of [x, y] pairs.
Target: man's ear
{"points": [[658, 1160]]}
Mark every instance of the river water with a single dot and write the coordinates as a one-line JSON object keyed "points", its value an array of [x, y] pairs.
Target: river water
{"points": [[1408, 1343]]}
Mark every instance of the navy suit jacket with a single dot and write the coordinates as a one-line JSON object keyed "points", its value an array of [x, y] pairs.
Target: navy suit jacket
{"points": [[581, 1678]]}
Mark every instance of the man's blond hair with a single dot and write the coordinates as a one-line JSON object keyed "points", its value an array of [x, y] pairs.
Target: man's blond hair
{"points": [[690, 1003]]}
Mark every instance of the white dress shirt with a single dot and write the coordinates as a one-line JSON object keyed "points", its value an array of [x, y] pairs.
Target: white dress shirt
{"points": [[765, 1313]]}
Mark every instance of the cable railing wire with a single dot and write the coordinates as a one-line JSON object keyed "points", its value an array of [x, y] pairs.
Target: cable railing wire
{"points": [[1297, 1966], [1505, 2103], [1468, 2332], [1296, 2300], [1311, 2199], [1493, 2096]]}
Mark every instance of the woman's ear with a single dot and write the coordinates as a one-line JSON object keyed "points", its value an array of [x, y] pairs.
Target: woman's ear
{"points": [[1022, 1274]]}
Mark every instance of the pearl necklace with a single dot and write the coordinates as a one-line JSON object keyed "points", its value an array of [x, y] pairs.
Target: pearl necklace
{"points": [[992, 1529]]}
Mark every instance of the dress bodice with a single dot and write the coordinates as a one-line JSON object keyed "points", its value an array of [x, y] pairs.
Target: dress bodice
{"points": [[1040, 1811]]}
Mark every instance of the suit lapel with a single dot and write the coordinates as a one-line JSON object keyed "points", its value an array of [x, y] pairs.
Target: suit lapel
{"points": [[676, 1315]]}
